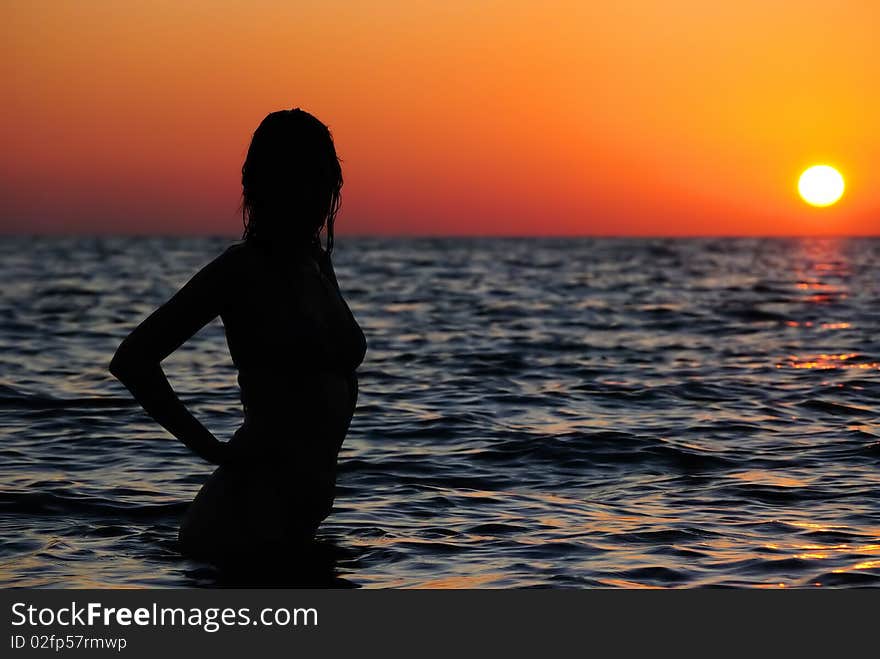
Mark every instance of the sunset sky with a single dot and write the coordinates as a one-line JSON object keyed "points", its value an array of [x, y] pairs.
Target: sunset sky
{"points": [[632, 117]]}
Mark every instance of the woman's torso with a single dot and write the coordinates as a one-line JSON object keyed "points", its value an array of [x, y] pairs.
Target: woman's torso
{"points": [[296, 346]]}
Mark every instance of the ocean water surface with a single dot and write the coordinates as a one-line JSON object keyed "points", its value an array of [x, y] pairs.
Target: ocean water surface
{"points": [[553, 412]]}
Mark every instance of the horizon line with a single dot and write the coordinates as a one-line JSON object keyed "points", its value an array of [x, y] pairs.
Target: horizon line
{"points": [[451, 236]]}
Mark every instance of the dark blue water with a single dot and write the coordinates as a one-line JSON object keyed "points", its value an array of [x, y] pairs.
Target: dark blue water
{"points": [[533, 412]]}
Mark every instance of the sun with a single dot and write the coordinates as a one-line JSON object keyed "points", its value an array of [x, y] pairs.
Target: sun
{"points": [[821, 185]]}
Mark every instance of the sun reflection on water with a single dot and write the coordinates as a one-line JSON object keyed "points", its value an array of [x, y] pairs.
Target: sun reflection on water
{"points": [[824, 361]]}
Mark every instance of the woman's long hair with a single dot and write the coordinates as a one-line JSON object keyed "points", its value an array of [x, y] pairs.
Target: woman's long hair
{"points": [[291, 180]]}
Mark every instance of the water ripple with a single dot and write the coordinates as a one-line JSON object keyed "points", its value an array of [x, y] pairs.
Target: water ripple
{"points": [[568, 413]]}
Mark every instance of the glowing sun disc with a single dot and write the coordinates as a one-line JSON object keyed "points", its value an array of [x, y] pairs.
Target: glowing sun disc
{"points": [[821, 185]]}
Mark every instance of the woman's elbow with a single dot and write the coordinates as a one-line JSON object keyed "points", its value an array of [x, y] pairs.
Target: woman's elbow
{"points": [[125, 362], [118, 366]]}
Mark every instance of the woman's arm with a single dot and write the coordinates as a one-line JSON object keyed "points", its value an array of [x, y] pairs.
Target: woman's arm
{"points": [[137, 362]]}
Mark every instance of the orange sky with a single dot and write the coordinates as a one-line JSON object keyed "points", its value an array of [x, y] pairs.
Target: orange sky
{"points": [[629, 117]]}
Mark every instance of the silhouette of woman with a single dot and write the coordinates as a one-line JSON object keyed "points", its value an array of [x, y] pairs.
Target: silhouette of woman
{"points": [[292, 337]]}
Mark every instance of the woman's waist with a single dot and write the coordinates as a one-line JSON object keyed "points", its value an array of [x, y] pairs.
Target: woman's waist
{"points": [[304, 447], [295, 422], [283, 392]]}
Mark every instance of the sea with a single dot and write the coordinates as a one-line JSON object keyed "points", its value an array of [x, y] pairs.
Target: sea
{"points": [[565, 412]]}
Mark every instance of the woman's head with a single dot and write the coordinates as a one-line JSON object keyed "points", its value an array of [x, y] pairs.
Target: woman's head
{"points": [[291, 180]]}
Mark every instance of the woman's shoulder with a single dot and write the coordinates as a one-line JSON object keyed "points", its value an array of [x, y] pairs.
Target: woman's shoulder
{"points": [[235, 250], [226, 267], [236, 255]]}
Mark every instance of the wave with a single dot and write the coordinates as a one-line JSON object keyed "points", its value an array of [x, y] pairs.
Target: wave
{"points": [[52, 503], [11, 398]]}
